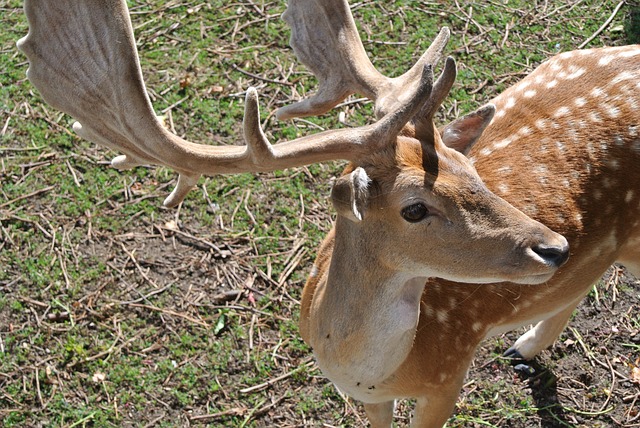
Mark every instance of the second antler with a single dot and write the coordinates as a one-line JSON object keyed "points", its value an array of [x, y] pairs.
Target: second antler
{"points": [[84, 62], [324, 37]]}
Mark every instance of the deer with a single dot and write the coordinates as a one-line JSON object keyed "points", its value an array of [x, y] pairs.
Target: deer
{"points": [[443, 235], [561, 141]]}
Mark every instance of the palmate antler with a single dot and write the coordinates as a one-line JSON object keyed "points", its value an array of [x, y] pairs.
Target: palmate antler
{"points": [[84, 62], [324, 37]]}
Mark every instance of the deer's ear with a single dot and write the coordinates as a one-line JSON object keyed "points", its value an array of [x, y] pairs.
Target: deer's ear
{"points": [[462, 133], [350, 194]]}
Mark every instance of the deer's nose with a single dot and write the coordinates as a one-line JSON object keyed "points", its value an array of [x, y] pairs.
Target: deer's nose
{"points": [[553, 255]]}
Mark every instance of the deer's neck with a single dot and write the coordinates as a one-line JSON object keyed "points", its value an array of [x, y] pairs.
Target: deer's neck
{"points": [[365, 318]]}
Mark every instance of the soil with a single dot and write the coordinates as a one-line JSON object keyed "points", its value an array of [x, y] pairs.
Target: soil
{"points": [[164, 282]]}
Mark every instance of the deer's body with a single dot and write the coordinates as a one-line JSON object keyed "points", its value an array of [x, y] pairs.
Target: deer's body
{"points": [[563, 147]]}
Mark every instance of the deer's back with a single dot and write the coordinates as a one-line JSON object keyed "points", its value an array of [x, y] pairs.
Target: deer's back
{"points": [[564, 146]]}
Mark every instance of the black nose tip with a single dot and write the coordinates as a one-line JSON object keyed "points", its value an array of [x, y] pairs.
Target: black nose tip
{"points": [[553, 255]]}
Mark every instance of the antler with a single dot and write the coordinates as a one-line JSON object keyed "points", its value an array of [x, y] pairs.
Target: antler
{"points": [[84, 62], [324, 37]]}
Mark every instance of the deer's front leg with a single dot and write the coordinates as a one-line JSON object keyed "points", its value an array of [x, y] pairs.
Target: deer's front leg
{"points": [[434, 410], [380, 414]]}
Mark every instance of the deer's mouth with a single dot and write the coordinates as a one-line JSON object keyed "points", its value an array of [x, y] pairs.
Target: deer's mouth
{"points": [[534, 279]]}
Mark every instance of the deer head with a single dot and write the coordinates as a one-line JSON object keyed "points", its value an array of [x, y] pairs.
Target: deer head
{"points": [[419, 191]]}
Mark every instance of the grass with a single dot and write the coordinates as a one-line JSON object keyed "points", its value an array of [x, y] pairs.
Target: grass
{"points": [[115, 311]]}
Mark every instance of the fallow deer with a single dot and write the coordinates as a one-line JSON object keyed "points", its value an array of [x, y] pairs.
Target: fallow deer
{"points": [[563, 146], [411, 207]]}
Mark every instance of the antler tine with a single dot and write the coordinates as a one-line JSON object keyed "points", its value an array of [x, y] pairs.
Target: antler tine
{"points": [[396, 91], [392, 123], [423, 121], [84, 61], [324, 37]]}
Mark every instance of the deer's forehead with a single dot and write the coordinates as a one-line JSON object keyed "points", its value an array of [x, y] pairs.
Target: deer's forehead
{"points": [[419, 168], [416, 183]]}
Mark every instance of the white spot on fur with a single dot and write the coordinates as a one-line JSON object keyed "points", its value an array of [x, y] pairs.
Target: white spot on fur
{"points": [[580, 102], [629, 196], [511, 101], [598, 92], [442, 316], [476, 326], [633, 131], [625, 75], [562, 111], [618, 140], [503, 188], [552, 84], [577, 73], [486, 151], [597, 194], [523, 85], [605, 60], [611, 242], [525, 130], [503, 143], [595, 117], [540, 169], [575, 175], [555, 66], [587, 167], [428, 311], [543, 146], [504, 170], [612, 111], [560, 146], [530, 93], [541, 124]]}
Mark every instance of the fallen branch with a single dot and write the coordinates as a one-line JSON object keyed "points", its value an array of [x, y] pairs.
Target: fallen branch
{"points": [[169, 312], [270, 382], [603, 26]]}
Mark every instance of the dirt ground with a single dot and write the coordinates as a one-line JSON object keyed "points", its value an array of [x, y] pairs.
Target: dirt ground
{"points": [[154, 280], [588, 378]]}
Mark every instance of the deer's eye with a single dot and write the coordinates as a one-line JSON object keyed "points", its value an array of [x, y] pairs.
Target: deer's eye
{"points": [[414, 213]]}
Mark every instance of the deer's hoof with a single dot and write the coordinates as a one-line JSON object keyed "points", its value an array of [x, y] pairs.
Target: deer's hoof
{"points": [[513, 354]]}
